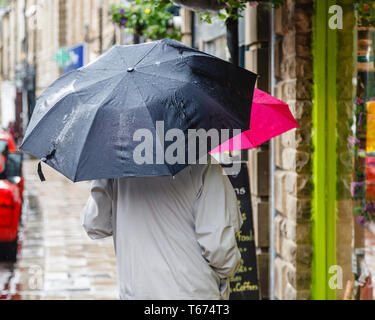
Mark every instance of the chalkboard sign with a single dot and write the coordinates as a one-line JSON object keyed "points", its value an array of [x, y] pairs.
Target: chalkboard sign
{"points": [[244, 285]]}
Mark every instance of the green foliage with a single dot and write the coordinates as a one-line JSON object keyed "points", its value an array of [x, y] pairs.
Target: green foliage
{"points": [[366, 207], [366, 12], [233, 8], [146, 19], [3, 3]]}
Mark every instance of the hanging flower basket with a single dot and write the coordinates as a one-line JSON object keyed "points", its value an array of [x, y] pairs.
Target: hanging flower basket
{"points": [[201, 5], [144, 19], [226, 9], [366, 12]]}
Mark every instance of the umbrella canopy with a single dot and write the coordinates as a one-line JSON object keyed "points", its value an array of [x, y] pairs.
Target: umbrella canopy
{"points": [[270, 117], [84, 124]]}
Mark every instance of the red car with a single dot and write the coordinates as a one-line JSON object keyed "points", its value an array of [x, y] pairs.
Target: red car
{"points": [[11, 195]]}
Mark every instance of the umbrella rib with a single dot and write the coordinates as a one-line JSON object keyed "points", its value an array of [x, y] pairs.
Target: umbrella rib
{"points": [[46, 114], [164, 77], [156, 44], [181, 57], [163, 62], [91, 125], [84, 144], [104, 80], [63, 97], [173, 79], [140, 94], [121, 58]]}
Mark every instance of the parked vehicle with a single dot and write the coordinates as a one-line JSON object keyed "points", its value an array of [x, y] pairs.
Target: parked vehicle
{"points": [[11, 197]]}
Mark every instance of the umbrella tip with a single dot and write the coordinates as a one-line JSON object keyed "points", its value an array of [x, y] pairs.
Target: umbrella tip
{"points": [[130, 69]]}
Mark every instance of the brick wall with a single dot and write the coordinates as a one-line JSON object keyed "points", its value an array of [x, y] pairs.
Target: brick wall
{"points": [[292, 233]]}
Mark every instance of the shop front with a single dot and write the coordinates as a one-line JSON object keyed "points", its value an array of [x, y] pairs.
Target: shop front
{"points": [[312, 188]]}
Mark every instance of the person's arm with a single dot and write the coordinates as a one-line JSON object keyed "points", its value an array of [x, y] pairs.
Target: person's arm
{"points": [[217, 220], [96, 218]]}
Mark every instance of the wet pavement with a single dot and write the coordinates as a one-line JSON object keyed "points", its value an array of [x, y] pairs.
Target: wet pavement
{"points": [[56, 259]]}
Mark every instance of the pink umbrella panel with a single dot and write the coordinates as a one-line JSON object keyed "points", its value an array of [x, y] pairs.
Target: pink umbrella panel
{"points": [[270, 117]]}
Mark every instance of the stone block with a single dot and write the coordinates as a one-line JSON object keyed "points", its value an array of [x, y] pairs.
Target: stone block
{"points": [[280, 267], [298, 209], [303, 278], [304, 255], [289, 44], [298, 184], [279, 232], [280, 191], [290, 292], [250, 24], [303, 20], [288, 68], [301, 111], [278, 152], [303, 294], [278, 18], [345, 210], [289, 250], [303, 45], [297, 138], [296, 160], [291, 275]]}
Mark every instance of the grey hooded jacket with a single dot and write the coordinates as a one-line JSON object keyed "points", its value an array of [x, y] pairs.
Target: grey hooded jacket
{"points": [[175, 237]]}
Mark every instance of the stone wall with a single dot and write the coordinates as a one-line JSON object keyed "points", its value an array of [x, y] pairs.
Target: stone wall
{"points": [[65, 24], [345, 96], [292, 233], [257, 57]]}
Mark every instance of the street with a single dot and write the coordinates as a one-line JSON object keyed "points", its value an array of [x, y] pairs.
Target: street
{"points": [[56, 259], [134, 89]]}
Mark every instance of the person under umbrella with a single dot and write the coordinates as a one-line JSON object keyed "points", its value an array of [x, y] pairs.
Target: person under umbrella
{"points": [[174, 224], [175, 238]]}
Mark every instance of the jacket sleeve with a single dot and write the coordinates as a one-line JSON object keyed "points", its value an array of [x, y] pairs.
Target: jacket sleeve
{"points": [[96, 218], [217, 220]]}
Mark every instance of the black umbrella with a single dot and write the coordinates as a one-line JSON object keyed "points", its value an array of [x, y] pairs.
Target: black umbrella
{"points": [[84, 124]]}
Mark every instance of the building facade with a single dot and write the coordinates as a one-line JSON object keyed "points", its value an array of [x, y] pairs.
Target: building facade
{"points": [[304, 229], [300, 182], [36, 37]]}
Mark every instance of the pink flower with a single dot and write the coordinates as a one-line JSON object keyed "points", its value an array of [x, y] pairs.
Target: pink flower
{"points": [[361, 221], [358, 101], [170, 31], [356, 188], [360, 119], [352, 141], [254, 3], [370, 208]]}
